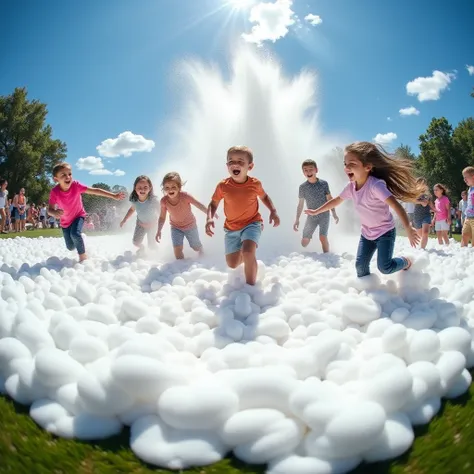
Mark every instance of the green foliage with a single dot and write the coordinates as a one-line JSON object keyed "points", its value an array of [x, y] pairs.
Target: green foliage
{"points": [[440, 158], [405, 152], [463, 138], [95, 203], [27, 150]]}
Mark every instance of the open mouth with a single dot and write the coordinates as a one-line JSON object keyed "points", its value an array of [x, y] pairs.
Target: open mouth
{"points": [[236, 172], [350, 175]]}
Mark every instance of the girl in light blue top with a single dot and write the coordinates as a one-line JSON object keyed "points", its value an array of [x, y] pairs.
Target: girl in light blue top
{"points": [[147, 207]]}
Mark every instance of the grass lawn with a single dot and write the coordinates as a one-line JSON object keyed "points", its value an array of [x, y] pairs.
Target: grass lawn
{"points": [[442, 447], [34, 234]]}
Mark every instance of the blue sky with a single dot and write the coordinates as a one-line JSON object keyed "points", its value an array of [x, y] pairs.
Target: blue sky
{"points": [[107, 67]]}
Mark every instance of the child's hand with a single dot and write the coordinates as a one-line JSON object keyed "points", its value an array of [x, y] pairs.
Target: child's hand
{"points": [[336, 219], [119, 196], [311, 212], [58, 213], [413, 236], [209, 225], [158, 236], [274, 218], [296, 225], [122, 223]]}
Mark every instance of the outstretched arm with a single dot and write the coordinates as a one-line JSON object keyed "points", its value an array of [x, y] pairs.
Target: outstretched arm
{"points": [[198, 204], [333, 210], [106, 194], [334, 202]]}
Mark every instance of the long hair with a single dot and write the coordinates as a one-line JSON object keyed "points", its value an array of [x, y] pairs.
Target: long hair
{"points": [[396, 172], [134, 195], [443, 188]]}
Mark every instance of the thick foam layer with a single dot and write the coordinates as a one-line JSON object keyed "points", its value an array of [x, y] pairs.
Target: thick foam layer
{"points": [[311, 368]]}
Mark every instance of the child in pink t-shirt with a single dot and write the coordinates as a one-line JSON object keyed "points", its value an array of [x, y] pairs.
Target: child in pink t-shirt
{"points": [[65, 203], [182, 220], [442, 217], [374, 186]]}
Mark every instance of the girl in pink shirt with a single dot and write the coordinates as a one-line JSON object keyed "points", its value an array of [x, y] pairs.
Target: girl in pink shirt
{"points": [[442, 217], [376, 181], [182, 220], [65, 203]]}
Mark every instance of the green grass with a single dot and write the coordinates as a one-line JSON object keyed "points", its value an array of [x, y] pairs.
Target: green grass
{"points": [[34, 234], [442, 447]]}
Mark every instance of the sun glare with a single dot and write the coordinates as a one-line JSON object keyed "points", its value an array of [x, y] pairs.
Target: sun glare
{"points": [[240, 4]]}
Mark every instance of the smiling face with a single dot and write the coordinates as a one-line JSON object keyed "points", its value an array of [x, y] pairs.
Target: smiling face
{"points": [[171, 189], [64, 178], [238, 166], [354, 168], [468, 179], [143, 188], [438, 192], [310, 171]]}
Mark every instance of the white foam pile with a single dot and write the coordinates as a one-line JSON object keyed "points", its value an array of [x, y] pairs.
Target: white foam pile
{"points": [[312, 371]]}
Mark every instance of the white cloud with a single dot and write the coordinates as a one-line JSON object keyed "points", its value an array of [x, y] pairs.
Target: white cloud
{"points": [[409, 111], [95, 166], [470, 70], [430, 88], [104, 172], [272, 21], [385, 138], [389, 119], [124, 145], [313, 19], [89, 163]]}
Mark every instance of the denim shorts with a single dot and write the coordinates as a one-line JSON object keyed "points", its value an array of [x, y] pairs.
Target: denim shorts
{"points": [[18, 216], [192, 236], [418, 223], [234, 238]]}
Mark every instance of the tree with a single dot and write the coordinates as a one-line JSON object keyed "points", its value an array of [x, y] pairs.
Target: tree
{"points": [[95, 203], [405, 152], [463, 138], [28, 152], [439, 159]]}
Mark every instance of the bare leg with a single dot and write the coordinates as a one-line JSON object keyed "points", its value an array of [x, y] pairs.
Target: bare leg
{"points": [[445, 237], [198, 250], [305, 242], [249, 247], [440, 238], [466, 237], [2, 221], [178, 252], [424, 235], [324, 243], [233, 260]]}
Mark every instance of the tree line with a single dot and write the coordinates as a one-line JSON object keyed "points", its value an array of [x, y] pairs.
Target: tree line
{"points": [[444, 152], [28, 151]]}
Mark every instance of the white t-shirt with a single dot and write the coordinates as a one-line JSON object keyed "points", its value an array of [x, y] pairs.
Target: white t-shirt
{"points": [[3, 198], [409, 207], [43, 212]]}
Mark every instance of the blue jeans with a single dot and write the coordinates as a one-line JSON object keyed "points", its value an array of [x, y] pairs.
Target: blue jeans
{"points": [[384, 246], [73, 236]]}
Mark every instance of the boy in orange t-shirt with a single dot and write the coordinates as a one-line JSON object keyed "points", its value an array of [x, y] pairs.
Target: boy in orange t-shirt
{"points": [[243, 224]]}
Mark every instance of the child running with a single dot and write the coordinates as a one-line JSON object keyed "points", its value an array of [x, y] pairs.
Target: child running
{"points": [[65, 204], [468, 226], [422, 213], [182, 220], [377, 180], [315, 192], [3, 204], [145, 203], [442, 215], [243, 224]]}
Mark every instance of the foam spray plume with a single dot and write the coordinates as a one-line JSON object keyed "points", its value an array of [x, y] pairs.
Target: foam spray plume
{"points": [[260, 108]]}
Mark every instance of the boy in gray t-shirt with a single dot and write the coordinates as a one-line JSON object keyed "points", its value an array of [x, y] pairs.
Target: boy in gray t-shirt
{"points": [[315, 192]]}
